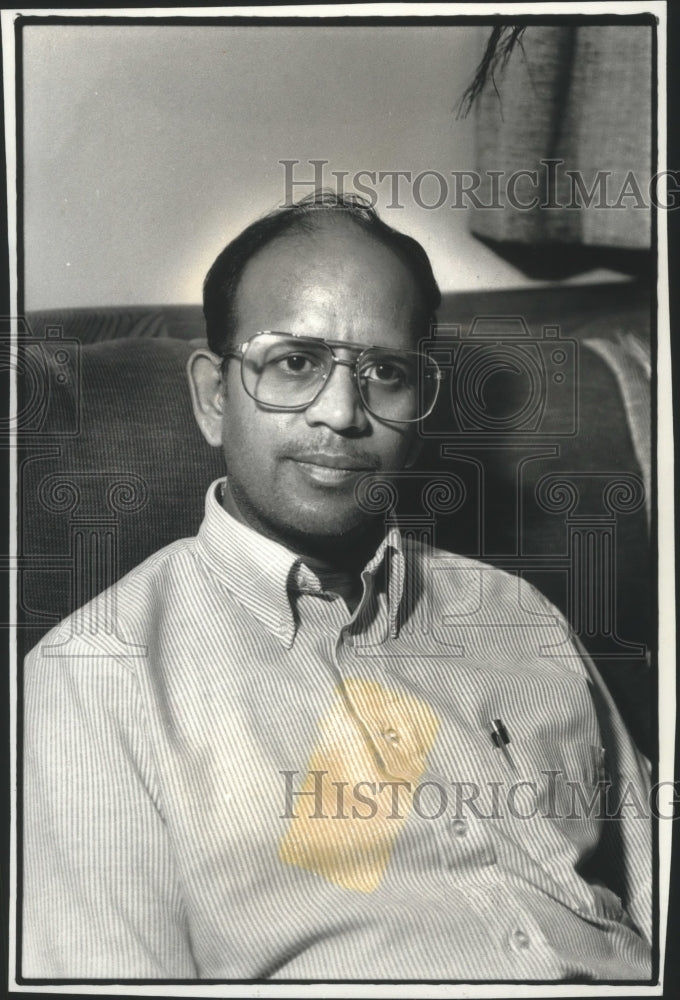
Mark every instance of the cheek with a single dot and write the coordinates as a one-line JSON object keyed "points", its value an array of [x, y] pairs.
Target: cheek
{"points": [[250, 438]]}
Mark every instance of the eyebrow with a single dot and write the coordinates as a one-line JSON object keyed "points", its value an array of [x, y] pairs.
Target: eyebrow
{"points": [[349, 344]]}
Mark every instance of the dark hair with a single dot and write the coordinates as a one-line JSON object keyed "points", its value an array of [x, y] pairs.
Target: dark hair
{"points": [[221, 283]]}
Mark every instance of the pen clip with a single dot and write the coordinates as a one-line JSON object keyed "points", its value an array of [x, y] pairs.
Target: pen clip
{"points": [[501, 739]]}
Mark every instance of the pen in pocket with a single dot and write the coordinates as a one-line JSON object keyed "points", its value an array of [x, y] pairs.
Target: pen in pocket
{"points": [[501, 739]]}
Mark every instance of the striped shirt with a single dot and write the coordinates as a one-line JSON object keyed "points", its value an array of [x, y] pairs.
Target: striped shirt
{"points": [[228, 775]]}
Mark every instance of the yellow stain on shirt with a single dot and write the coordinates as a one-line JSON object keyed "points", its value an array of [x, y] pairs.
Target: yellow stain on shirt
{"points": [[358, 790]]}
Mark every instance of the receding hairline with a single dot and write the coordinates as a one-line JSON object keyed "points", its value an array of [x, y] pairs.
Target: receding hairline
{"points": [[310, 217], [305, 229]]}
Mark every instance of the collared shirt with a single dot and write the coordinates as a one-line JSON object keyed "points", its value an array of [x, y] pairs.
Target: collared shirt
{"points": [[229, 776]]}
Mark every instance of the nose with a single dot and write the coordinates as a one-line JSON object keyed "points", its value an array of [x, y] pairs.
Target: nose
{"points": [[339, 405]]}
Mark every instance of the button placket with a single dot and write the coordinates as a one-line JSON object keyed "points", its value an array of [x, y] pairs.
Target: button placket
{"points": [[465, 844], [344, 644], [459, 827]]}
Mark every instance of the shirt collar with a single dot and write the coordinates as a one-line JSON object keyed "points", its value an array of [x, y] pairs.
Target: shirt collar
{"points": [[259, 571]]}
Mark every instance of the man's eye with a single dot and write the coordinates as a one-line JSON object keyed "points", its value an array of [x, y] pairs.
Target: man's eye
{"points": [[386, 373], [297, 364]]}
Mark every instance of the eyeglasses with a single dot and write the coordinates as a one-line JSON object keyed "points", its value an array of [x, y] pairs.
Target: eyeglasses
{"points": [[288, 371]]}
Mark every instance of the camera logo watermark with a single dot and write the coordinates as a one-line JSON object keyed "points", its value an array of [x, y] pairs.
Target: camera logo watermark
{"points": [[502, 378], [48, 379]]}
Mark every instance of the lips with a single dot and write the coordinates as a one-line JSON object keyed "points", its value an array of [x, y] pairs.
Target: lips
{"points": [[347, 463], [324, 469]]}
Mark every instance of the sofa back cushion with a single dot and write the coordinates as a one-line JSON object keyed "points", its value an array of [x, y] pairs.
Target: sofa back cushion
{"points": [[117, 469]]}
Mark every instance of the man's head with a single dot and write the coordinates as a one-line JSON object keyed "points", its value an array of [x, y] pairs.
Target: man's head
{"points": [[222, 281], [327, 268]]}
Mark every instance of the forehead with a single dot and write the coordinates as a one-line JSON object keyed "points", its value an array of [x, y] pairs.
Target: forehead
{"points": [[336, 281]]}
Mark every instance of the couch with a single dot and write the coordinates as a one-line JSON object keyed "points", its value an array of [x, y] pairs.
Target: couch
{"points": [[537, 458]]}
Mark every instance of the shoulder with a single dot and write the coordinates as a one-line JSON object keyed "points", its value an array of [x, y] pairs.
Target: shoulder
{"points": [[477, 604], [448, 572]]}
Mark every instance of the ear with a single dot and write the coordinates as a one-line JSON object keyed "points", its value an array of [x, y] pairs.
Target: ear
{"points": [[205, 384]]}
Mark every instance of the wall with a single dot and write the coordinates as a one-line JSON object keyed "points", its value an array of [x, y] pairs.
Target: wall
{"points": [[148, 147]]}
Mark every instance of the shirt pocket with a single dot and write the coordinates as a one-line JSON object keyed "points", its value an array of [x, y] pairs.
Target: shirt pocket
{"points": [[564, 782], [556, 804]]}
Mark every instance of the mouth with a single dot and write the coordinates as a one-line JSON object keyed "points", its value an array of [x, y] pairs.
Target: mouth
{"points": [[328, 469]]}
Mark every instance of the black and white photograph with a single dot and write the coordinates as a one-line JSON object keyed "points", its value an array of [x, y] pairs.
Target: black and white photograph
{"points": [[341, 555]]}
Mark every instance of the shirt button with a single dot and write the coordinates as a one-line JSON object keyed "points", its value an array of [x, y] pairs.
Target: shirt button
{"points": [[459, 828], [391, 735], [519, 940]]}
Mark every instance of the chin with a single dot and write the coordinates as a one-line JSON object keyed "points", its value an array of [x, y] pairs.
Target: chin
{"points": [[328, 525], [329, 528]]}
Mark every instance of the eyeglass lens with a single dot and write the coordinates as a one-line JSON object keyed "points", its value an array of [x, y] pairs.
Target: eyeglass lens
{"points": [[290, 372]]}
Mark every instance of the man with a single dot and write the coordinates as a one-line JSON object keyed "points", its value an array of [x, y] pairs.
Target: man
{"points": [[313, 748]]}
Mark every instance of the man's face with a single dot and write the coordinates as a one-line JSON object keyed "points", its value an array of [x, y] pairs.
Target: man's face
{"points": [[292, 475]]}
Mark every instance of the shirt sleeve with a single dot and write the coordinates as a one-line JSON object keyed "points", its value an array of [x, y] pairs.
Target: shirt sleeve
{"points": [[99, 894], [624, 854]]}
